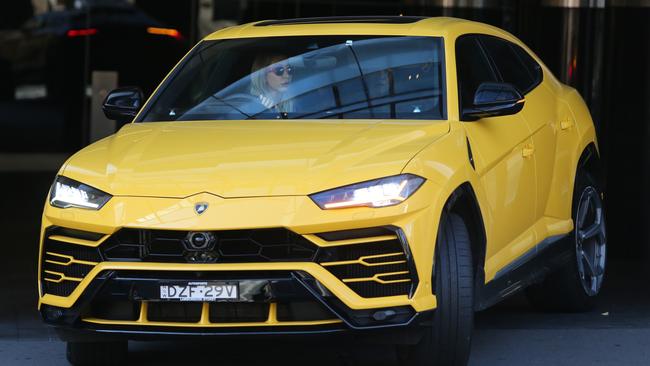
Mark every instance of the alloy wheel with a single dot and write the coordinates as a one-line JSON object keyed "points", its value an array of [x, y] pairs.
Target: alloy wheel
{"points": [[591, 241]]}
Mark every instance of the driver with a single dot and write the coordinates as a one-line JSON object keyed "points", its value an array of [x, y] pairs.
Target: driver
{"points": [[271, 77]]}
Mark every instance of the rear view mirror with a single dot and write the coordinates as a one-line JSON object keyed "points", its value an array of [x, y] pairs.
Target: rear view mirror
{"points": [[123, 104], [494, 99]]}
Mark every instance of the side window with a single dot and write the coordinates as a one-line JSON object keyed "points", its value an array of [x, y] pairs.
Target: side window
{"points": [[509, 63], [472, 67], [534, 69]]}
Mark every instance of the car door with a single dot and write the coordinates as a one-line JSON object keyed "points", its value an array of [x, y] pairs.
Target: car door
{"points": [[517, 67], [500, 147]]}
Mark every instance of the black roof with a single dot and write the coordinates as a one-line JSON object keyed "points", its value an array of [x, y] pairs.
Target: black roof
{"points": [[387, 19]]}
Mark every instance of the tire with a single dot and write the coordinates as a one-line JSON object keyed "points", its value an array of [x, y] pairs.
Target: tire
{"points": [[575, 287], [97, 353], [448, 341]]}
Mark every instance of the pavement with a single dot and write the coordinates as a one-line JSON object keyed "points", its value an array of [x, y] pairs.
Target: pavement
{"points": [[617, 332]]}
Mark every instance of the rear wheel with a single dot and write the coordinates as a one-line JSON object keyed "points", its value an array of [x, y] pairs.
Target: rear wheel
{"points": [[97, 353], [575, 286], [448, 341]]}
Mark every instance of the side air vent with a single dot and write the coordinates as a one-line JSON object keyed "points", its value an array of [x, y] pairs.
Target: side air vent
{"points": [[67, 259], [375, 268]]}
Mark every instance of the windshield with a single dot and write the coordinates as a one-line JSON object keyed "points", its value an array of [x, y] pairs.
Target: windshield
{"points": [[352, 77]]}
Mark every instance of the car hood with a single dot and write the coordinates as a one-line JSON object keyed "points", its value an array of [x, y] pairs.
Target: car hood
{"points": [[248, 158]]}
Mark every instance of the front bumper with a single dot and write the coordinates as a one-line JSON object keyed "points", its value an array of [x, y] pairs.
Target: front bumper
{"points": [[413, 222], [138, 290]]}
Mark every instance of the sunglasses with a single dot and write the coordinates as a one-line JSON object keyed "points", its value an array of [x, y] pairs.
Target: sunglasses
{"points": [[279, 70]]}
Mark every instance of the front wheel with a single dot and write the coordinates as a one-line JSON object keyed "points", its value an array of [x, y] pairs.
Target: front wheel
{"points": [[576, 286], [447, 342]]}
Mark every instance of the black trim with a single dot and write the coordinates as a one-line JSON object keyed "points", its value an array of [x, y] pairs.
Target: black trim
{"points": [[470, 156], [74, 233], [413, 272], [408, 335], [528, 256], [343, 19], [531, 267], [355, 233], [443, 73]]}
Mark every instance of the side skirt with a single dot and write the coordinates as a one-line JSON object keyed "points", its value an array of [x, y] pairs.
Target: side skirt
{"points": [[530, 268]]}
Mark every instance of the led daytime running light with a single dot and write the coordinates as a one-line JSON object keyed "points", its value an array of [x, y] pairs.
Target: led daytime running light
{"points": [[70, 193], [382, 192], [365, 196]]}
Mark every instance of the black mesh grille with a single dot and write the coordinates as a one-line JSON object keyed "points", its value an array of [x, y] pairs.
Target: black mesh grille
{"points": [[371, 289], [64, 288], [182, 312], [79, 252], [232, 246], [115, 309], [303, 311], [360, 271], [61, 278], [380, 268], [238, 312]]}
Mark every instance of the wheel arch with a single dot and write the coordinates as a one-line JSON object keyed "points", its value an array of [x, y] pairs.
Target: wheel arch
{"points": [[590, 161], [463, 202]]}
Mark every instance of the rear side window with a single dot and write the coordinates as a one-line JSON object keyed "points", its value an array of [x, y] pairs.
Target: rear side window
{"points": [[514, 64], [473, 68]]}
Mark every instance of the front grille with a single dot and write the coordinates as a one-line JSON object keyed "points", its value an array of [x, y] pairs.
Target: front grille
{"points": [[232, 246], [377, 268], [64, 263], [372, 262]]}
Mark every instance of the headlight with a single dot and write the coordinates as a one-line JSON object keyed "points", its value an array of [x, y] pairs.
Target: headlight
{"points": [[382, 192], [70, 193]]}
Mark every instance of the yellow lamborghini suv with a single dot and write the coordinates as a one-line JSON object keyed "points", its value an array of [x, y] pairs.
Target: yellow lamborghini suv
{"points": [[376, 176]]}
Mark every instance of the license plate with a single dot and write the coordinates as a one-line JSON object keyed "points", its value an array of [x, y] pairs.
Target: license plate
{"points": [[200, 291]]}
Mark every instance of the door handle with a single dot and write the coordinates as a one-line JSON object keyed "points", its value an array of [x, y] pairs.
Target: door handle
{"points": [[566, 124], [528, 150]]}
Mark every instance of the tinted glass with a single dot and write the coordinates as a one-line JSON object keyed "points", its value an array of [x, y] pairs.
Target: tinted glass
{"points": [[306, 77], [473, 68], [534, 69], [508, 63]]}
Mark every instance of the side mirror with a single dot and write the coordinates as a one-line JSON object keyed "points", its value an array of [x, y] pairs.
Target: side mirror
{"points": [[123, 104], [494, 99]]}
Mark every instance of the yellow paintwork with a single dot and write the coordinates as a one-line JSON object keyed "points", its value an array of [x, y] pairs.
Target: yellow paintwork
{"points": [[257, 174]]}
